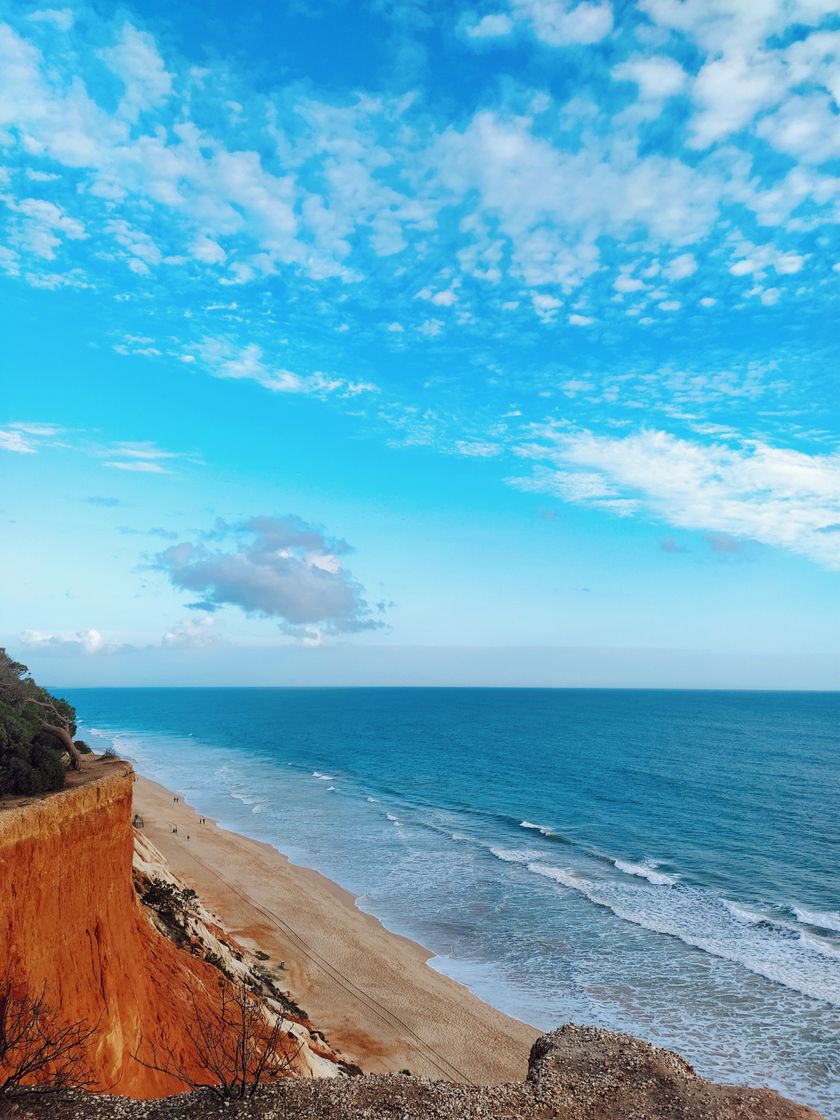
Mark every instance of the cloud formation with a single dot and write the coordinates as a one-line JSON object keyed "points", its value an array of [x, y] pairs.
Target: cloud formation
{"points": [[279, 568], [780, 497], [84, 641], [26, 439], [139, 457], [680, 189]]}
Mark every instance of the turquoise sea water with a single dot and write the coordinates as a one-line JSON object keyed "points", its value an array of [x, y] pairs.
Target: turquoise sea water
{"points": [[665, 863]]}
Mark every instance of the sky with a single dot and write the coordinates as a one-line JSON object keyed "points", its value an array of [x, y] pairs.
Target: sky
{"points": [[403, 342]]}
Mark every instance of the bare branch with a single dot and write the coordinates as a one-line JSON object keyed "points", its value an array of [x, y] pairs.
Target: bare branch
{"points": [[237, 1045], [37, 1049]]}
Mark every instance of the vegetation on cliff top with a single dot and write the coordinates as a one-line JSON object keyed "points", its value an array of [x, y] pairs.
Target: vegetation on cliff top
{"points": [[36, 733]]}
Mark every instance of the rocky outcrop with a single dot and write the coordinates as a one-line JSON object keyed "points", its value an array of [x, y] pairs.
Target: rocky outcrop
{"points": [[72, 924], [576, 1073]]}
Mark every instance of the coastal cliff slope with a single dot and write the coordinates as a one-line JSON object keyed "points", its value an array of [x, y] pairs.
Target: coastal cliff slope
{"points": [[72, 924], [575, 1073], [71, 921]]}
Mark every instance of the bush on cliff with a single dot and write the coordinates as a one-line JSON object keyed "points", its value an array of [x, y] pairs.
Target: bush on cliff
{"points": [[36, 731]]}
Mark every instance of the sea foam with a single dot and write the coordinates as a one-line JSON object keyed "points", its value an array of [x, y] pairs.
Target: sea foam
{"points": [[543, 829], [699, 919], [646, 870], [821, 918]]}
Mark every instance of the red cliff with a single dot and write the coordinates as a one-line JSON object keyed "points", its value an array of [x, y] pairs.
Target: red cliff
{"points": [[70, 921]]}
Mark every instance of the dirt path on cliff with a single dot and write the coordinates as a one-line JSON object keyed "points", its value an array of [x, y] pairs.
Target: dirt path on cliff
{"points": [[370, 991]]}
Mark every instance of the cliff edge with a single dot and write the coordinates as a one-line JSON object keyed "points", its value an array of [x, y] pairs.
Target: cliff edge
{"points": [[71, 924]]}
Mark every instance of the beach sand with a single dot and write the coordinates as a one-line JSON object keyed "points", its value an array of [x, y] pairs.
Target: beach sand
{"points": [[369, 990]]}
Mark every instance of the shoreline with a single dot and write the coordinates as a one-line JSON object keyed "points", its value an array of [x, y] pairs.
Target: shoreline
{"points": [[370, 990]]}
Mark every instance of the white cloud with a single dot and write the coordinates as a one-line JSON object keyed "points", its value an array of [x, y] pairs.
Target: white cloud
{"points": [[748, 72], [222, 358], [581, 320], [137, 466], [552, 204], [729, 91], [135, 60], [657, 76], [207, 250], [546, 306], [445, 297], [139, 457], [775, 495], [192, 633], [477, 449], [84, 641], [806, 127], [60, 18], [11, 440], [178, 170], [626, 283], [492, 26], [280, 568], [24, 438], [41, 225], [560, 23], [680, 267], [755, 260], [716, 24]]}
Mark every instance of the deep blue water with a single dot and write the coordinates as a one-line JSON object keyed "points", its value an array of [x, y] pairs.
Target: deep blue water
{"points": [[666, 863]]}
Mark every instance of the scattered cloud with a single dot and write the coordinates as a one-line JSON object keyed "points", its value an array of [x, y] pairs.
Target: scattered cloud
{"points": [[560, 23], [749, 490], [60, 18], [26, 439], [140, 457], [277, 567], [135, 60], [83, 641], [224, 359], [699, 177], [493, 26], [657, 76], [192, 633]]}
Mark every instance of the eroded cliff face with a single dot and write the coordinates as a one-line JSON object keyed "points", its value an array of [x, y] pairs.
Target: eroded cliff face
{"points": [[70, 921]]}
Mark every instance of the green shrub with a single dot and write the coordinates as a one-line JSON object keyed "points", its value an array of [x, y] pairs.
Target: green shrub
{"points": [[31, 760], [168, 900]]}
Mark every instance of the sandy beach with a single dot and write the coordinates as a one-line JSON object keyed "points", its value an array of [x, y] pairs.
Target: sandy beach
{"points": [[369, 990]]}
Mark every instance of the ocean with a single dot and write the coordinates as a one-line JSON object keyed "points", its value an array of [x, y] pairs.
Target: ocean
{"points": [[659, 862]]}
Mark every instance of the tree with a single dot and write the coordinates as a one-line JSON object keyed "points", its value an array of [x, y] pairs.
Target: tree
{"points": [[38, 1051], [238, 1045], [56, 718]]}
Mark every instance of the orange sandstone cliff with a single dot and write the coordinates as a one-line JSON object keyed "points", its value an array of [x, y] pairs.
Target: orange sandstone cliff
{"points": [[71, 922]]}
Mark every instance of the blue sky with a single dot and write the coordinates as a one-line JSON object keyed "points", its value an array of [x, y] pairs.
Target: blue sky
{"points": [[424, 343]]}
